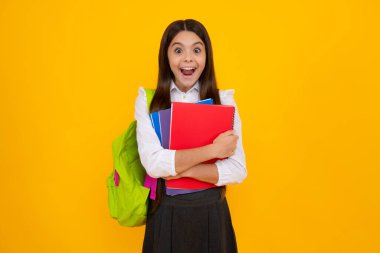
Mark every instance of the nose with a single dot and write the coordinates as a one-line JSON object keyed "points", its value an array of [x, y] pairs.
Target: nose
{"points": [[188, 57]]}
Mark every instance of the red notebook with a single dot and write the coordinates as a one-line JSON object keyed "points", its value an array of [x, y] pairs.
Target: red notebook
{"points": [[196, 125]]}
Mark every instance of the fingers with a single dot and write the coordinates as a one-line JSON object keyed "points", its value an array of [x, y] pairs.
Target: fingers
{"points": [[172, 177], [227, 133], [232, 152], [234, 138]]}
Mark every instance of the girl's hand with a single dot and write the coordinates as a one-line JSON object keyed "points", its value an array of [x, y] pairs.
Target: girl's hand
{"points": [[225, 144], [173, 177], [186, 173]]}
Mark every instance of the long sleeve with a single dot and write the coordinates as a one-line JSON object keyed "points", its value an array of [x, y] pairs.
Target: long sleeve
{"points": [[233, 169], [157, 161]]}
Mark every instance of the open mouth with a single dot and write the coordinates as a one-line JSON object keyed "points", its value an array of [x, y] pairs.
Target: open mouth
{"points": [[188, 71]]}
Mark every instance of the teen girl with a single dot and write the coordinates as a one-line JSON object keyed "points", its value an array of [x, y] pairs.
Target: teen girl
{"points": [[196, 222]]}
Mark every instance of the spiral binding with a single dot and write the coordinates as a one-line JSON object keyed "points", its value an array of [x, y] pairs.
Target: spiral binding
{"points": [[233, 118]]}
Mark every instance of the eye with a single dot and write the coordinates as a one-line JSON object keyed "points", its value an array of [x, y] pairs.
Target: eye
{"points": [[197, 50], [177, 50]]}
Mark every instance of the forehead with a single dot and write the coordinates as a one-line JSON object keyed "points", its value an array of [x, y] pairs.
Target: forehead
{"points": [[187, 39]]}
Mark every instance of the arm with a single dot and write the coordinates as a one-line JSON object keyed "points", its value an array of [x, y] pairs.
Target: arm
{"points": [[187, 158], [232, 170], [202, 172], [157, 161]]}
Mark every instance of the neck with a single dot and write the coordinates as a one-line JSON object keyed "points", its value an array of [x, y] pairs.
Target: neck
{"points": [[184, 88]]}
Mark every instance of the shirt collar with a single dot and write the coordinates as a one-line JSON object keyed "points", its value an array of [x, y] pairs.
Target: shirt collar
{"points": [[173, 86]]}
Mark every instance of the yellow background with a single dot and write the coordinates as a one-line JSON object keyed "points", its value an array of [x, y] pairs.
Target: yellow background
{"points": [[306, 75]]}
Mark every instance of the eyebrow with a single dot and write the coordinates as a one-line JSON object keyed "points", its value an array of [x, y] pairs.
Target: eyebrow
{"points": [[198, 42]]}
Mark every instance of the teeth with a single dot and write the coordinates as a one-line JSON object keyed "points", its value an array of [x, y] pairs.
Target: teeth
{"points": [[188, 68]]}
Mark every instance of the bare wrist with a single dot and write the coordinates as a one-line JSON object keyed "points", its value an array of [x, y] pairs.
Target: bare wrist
{"points": [[212, 151]]}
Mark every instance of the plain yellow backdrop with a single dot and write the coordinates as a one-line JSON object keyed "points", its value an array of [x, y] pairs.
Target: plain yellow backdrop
{"points": [[306, 80]]}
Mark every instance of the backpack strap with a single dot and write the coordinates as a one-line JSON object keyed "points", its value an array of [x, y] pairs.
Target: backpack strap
{"points": [[149, 96], [149, 182]]}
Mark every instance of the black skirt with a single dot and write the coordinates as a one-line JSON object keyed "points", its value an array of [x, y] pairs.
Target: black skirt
{"points": [[198, 222]]}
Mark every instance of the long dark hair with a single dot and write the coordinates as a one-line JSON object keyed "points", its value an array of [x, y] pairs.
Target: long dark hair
{"points": [[207, 80]]}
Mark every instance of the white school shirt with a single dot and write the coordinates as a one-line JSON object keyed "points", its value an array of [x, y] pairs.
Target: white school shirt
{"points": [[159, 162]]}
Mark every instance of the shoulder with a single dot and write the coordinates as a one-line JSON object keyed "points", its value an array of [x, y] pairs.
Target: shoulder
{"points": [[141, 100], [142, 94], [227, 96], [141, 91]]}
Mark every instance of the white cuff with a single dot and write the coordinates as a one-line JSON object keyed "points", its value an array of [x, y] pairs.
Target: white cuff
{"points": [[172, 159], [224, 173], [230, 171]]}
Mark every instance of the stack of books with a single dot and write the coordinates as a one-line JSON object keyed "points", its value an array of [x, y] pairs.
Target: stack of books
{"points": [[186, 126]]}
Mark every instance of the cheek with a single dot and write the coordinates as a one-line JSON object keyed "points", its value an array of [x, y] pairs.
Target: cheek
{"points": [[173, 63], [202, 62]]}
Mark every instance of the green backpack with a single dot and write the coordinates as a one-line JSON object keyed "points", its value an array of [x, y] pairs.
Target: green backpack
{"points": [[127, 196]]}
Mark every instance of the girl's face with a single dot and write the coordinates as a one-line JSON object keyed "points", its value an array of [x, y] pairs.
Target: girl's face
{"points": [[187, 59]]}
